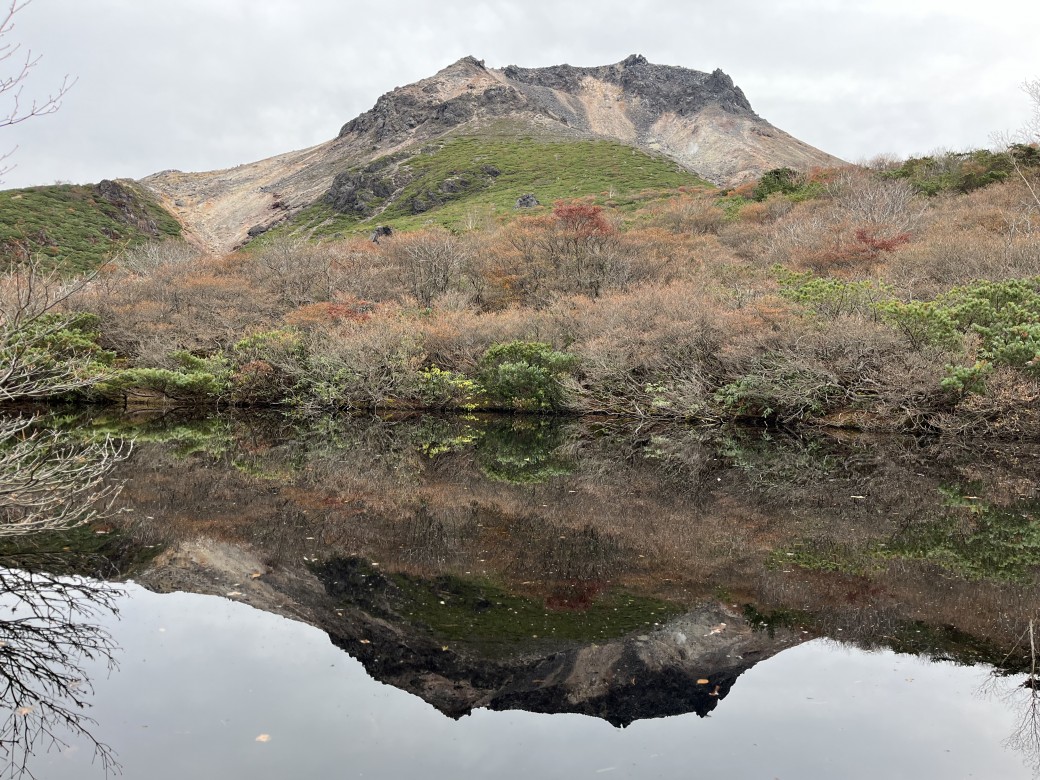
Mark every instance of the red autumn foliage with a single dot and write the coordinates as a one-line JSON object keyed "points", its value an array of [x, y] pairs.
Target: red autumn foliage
{"points": [[581, 219], [876, 243]]}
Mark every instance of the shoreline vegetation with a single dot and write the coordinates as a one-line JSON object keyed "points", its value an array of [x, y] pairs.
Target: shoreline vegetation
{"points": [[899, 296]]}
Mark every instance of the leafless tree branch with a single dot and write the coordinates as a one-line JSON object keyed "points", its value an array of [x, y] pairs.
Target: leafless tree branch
{"points": [[51, 633], [16, 66], [31, 315]]}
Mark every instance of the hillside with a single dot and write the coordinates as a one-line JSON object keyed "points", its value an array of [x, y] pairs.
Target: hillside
{"points": [[78, 226], [701, 122], [462, 181]]}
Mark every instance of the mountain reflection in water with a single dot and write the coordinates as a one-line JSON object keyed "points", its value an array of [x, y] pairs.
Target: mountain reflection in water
{"points": [[586, 567]]}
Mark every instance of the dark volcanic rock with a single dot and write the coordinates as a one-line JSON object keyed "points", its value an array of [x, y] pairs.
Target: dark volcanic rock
{"points": [[360, 192], [131, 210], [661, 88], [400, 112]]}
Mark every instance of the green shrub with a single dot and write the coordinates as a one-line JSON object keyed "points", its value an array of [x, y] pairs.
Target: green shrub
{"points": [[783, 180], [180, 386], [779, 390], [963, 380], [963, 171], [195, 380], [49, 355], [440, 389], [525, 375], [923, 323], [829, 297]]}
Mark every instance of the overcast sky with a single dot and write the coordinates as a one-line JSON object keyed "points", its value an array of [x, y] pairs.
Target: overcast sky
{"points": [[204, 84]]}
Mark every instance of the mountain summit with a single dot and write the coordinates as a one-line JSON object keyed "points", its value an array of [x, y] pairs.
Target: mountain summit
{"points": [[702, 121]]}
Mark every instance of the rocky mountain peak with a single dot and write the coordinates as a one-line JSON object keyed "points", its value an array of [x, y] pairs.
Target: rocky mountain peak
{"points": [[702, 121]]}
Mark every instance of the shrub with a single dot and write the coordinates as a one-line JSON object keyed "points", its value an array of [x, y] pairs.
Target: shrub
{"points": [[440, 389], [779, 389], [963, 171], [525, 375], [1005, 316], [186, 385], [783, 180], [51, 354], [270, 365], [829, 297]]}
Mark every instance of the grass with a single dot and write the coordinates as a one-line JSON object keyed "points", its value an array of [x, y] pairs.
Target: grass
{"points": [[485, 615], [74, 226], [481, 613], [611, 173]]}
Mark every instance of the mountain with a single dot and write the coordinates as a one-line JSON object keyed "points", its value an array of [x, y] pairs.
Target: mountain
{"points": [[681, 120], [686, 663]]}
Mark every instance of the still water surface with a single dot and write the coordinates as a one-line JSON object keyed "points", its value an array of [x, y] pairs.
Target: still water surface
{"points": [[450, 597], [201, 678]]}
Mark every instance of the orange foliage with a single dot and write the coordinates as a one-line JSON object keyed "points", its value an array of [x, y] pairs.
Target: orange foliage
{"points": [[329, 313]]}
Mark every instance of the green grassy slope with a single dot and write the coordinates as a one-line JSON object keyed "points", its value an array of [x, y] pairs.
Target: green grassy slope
{"points": [[79, 226], [457, 180]]}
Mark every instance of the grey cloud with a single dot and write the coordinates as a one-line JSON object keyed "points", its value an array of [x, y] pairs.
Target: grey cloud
{"points": [[201, 84]]}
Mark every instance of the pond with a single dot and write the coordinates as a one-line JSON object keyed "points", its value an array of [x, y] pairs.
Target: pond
{"points": [[528, 597]]}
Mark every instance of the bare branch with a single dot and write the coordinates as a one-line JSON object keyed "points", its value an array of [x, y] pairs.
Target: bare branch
{"points": [[50, 483], [32, 313], [51, 633], [16, 108]]}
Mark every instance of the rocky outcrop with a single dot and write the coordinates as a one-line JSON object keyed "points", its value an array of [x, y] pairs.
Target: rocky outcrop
{"points": [[659, 88], [399, 113], [129, 204], [359, 192]]}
